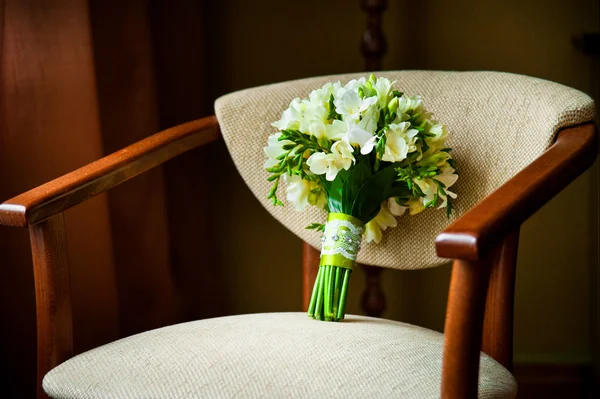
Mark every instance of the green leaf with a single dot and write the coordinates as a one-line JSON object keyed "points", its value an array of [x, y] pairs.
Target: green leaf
{"points": [[374, 190], [332, 113], [449, 206], [452, 163], [357, 175], [334, 190], [316, 226]]}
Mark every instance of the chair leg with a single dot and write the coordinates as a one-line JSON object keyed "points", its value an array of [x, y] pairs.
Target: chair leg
{"points": [[373, 298], [52, 295], [463, 329], [499, 306]]}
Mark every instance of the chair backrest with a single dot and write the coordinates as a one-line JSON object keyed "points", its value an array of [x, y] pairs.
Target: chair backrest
{"points": [[498, 123]]}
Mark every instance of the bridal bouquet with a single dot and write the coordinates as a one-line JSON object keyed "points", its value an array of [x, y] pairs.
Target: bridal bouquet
{"points": [[366, 153]]}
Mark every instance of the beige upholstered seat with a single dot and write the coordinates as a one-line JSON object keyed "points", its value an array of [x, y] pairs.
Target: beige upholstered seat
{"points": [[276, 355]]}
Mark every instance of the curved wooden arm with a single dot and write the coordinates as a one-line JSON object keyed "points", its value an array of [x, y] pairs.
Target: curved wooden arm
{"points": [[473, 235], [73, 188]]}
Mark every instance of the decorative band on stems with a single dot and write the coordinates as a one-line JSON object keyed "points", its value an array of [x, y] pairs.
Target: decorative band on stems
{"points": [[341, 240], [341, 243]]}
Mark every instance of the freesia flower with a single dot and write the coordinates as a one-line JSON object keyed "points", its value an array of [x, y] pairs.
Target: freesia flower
{"points": [[430, 188], [300, 192], [321, 96], [342, 151], [330, 164], [292, 116], [332, 131], [400, 140], [362, 133], [274, 149], [351, 106], [395, 208], [415, 205], [382, 221], [384, 90]]}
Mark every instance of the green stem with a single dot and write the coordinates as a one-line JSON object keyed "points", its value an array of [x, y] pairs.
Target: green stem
{"points": [[328, 295], [331, 313], [342, 309], [336, 292], [319, 303], [313, 297]]}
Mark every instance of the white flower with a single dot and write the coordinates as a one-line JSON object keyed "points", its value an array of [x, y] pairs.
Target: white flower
{"points": [[330, 164], [359, 137], [342, 151], [447, 178], [333, 131], [400, 140], [274, 149], [415, 205], [430, 188], [363, 132], [383, 86], [292, 116], [321, 96], [382, 221], [395, 208], [321, 163], [352, 85], [351, 106], [312, 112], [437, 142], [300, 192], [408, 104], [368, 146]]}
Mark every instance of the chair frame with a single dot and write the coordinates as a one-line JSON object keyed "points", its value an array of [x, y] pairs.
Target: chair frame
{"points": [[483, 243]]}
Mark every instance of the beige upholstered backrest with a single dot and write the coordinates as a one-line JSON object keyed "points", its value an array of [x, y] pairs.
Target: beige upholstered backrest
{"points": [[498, 123]]}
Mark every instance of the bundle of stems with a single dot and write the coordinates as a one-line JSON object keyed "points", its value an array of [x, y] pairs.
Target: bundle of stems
{"points": [[328, 300]]}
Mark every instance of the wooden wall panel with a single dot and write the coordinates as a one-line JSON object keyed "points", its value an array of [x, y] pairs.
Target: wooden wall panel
{"points": [[179, 29], [48, 126], [129, 112]]}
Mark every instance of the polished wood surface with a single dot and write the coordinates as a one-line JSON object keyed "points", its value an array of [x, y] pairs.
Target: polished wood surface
{"points": [[373, 44], [373, 298], [67, 191], [45, 204], [463, 328], [52, 295], [477, 231], [49, 126], [499, 305], [129, 112], [483, 243], [310, 268]]}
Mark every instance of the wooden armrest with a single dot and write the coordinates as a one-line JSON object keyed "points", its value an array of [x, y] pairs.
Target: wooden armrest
{"points": [[73, 188], [474, 234]]}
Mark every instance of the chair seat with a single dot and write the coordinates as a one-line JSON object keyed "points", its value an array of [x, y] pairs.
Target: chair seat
{"points": [[269, 355]]}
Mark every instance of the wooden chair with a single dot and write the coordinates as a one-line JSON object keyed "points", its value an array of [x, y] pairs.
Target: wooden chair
{"points": [[214, 357]]}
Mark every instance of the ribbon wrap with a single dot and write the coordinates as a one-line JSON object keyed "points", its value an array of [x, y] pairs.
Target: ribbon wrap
{"points": [[341, 240]]}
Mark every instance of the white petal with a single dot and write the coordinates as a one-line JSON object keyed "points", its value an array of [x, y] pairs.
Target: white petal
{"points": [[368, 146], [358, 136], [395, 208], [317, 163], [447, 179], [331, 172], [372, 232]]}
